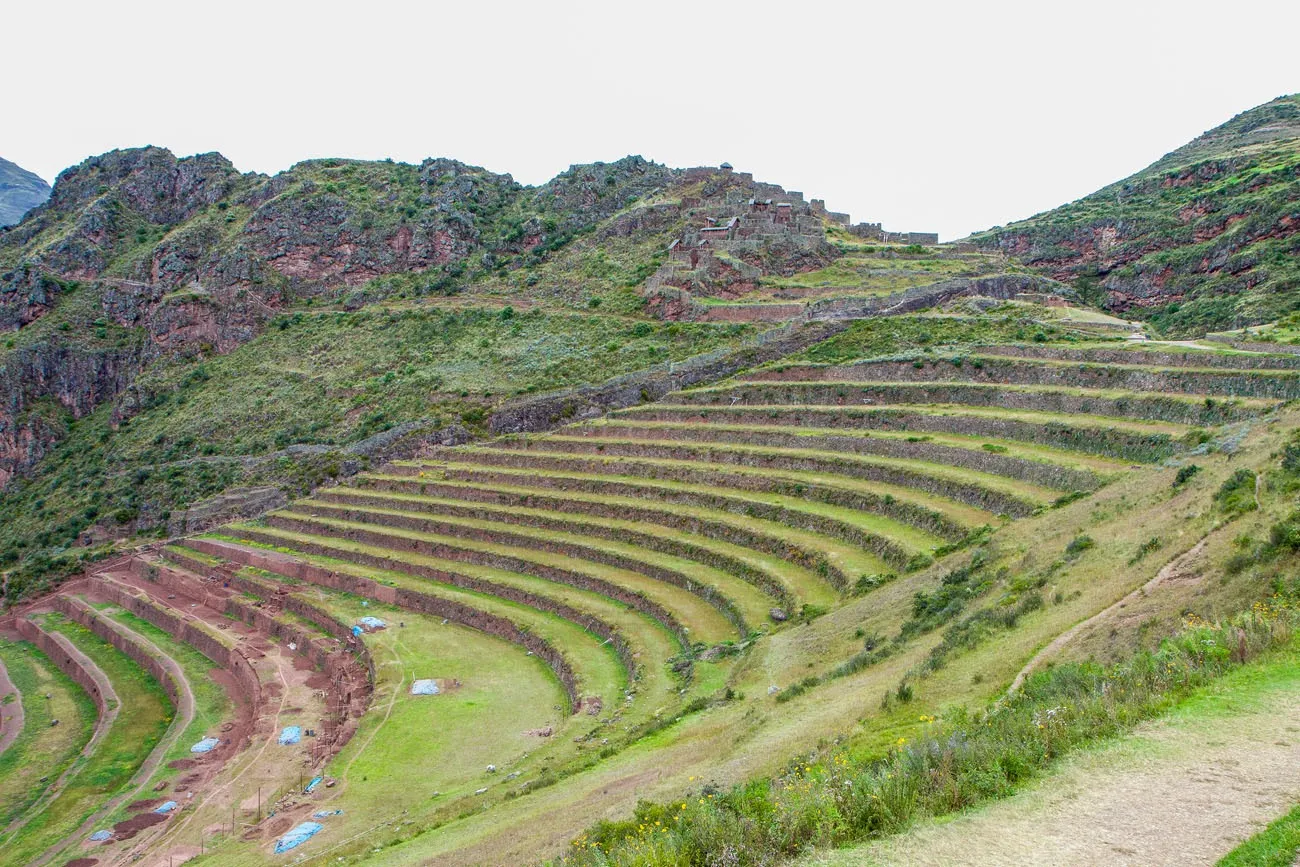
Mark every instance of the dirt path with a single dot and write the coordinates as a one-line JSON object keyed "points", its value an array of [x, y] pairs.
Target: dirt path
{"points": [[1184, 790], [1178, 566], [13, 711], [112, 705], [180, 722]]}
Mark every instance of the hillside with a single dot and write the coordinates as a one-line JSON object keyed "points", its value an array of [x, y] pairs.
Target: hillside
{"points": [[383, 514], [20, 191], [172, 330], [1205, 238]]}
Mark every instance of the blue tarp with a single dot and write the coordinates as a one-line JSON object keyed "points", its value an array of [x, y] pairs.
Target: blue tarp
{"points": [[205, 745], [372, 622], [100, 836], [325, 814], [296, 837], [356, 630], [313, 784], [290, 735], [425, 687], [166, 808]]}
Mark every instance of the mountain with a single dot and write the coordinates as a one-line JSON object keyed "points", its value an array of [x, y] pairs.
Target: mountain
{"points": [[171, 327], [20, 191], [1205, 238]]}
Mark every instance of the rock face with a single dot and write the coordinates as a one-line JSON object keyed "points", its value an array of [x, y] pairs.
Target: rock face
{"points": [[1207, 237], [20, 191]]}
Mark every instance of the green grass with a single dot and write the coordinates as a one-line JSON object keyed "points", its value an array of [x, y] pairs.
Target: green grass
{"points": [[314, 377], [145, 713], [596, 665], [1030, 493], [1275, 846], [838, 797], [212, 706], [1014, 448], [748, 600], [869, 522], [691, 611], [618, 469], [41, 750]]}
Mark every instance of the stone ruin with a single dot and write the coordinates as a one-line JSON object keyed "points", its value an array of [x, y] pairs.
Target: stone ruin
{"points": [[751, 223]]}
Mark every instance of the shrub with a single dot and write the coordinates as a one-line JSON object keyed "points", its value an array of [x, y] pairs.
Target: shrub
{"points": [[1078, 545], [1237, 494], [1185, 474]]}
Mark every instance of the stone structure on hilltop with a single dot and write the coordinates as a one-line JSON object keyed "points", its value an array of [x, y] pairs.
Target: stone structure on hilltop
{"points": [[749, 229]]}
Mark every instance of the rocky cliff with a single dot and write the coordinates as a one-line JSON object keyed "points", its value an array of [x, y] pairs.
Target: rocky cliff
{"points": [[20, 191], [1207, 237]]}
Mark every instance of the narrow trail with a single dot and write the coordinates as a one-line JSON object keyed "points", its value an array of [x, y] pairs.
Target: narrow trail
{"points": [[14, 715], [112, 705], [1182, 790], [1176, 566], [180, 722]]}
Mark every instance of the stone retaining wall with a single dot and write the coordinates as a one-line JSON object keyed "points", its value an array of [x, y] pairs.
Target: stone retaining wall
{"points": [[429, 604], [1277, 385], [557, 522], [1150, 407], [1036, 472], [974, 495], [442, 551], [1091, 439]]}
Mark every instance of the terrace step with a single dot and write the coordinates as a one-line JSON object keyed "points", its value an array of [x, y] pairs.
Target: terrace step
{"points": [[738, 533], [1205, 359], [1270, 384], [546, 625], [137, 714], [752, 593], [829, 488], [47, 750], [982, 490], [1092, 435], [613, 583], [1178, 409], [693, 588], [801, 505], [1047, 467]]}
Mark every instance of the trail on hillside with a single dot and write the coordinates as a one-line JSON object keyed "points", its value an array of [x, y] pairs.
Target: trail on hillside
{"points": [[14, 715], [1180, 791], [1183, 564]]}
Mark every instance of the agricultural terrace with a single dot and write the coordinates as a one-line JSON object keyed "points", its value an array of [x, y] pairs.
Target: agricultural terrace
{"points": [[475, 654]]}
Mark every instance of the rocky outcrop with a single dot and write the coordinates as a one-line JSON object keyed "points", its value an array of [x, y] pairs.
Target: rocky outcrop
{"points": [[1205, 238]]}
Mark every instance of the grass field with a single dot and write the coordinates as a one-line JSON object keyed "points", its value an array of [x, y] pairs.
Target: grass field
{"points": [[144, 716], [41, 750]]}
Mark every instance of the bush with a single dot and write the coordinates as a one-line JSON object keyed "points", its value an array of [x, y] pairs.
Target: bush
{"points": [[1185, 474], [1237, 494], [1078, 545]]}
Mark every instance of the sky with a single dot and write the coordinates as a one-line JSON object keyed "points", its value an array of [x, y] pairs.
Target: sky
{"points": [[947, 117]]}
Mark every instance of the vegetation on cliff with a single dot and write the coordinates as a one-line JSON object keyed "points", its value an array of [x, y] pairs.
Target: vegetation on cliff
{"points": [[1206, 238]]}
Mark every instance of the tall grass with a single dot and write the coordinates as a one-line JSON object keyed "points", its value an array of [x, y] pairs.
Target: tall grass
{"points": [[835, 798]]}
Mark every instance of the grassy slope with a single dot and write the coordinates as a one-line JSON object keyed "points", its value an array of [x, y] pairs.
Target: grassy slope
{"points": [[145, 716], [328, 378], [42, 750], [1275, 846], [1212, 224], [1145, 795]]}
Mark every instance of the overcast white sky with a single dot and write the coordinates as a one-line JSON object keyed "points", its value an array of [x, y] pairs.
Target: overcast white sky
{"points": [[927, 116]]}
